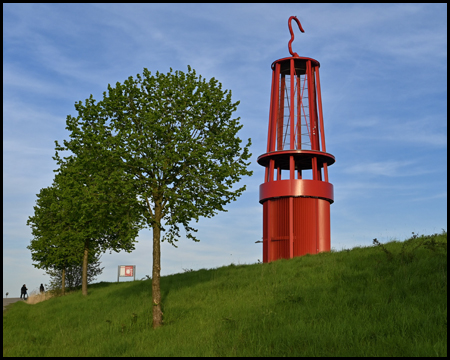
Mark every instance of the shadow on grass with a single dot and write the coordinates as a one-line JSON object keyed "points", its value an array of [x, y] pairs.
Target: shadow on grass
{"points": [[173, 283]]}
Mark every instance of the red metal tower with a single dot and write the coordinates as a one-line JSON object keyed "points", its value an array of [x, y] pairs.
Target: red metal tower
{"points": [[296, 209]]}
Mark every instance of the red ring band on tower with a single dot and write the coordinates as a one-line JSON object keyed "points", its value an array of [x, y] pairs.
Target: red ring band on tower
{"points": [[296, 188]]}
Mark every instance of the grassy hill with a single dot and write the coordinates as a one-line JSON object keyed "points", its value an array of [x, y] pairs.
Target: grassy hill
{"points": [[384, 300]]}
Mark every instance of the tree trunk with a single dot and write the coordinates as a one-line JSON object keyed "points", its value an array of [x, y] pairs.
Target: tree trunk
{"points": [[156, 274], [85, 266], [63, 281]]}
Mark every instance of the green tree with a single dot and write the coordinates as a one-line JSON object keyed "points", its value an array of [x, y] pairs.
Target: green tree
{"points": [[174, 136], [51, 246], [106, 214], [88, 213]]}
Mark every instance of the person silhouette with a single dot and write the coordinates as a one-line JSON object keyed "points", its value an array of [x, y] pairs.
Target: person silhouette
{"points": [[23, 292]]}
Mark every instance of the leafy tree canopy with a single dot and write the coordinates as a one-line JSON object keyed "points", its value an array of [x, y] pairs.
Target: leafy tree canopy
{"points": [[52, 246], [174, 136], [83, 213]]}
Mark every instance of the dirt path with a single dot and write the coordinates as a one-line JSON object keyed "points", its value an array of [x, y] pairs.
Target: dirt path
{"points": [[7, 301]]}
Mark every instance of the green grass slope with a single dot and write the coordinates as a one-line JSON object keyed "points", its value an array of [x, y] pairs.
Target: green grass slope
{"points": [[384, 300]]}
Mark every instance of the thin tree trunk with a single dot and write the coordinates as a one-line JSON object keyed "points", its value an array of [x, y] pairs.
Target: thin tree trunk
{"points": [[85, 265], [156, 274], [63, 281]]}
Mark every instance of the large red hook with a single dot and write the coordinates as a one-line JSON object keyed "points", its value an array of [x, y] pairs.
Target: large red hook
{"points": [[292, 33]]}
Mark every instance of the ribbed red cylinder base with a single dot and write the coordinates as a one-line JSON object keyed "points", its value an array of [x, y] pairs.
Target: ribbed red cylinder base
{"points": [[295, 226]]}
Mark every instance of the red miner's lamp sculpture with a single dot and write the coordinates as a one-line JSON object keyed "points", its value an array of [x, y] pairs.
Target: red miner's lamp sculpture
{"points": [[296, 194]]}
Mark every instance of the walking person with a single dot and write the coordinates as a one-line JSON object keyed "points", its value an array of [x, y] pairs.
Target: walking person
{"points": [[23, 292], [41, 289]]}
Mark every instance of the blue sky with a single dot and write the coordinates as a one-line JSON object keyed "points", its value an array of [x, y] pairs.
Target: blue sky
{"points": [[384, 91]]}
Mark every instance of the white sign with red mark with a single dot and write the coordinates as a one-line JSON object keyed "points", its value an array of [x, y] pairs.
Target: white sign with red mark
{"points": [[126, 271]]}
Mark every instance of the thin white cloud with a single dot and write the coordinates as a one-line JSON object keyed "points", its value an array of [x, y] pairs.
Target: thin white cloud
{"points": [[391, 168], [422, 131], [440, 195]]}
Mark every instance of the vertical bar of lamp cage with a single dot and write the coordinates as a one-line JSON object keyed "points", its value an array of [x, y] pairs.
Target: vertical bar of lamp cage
{"points": [[322, 129], [273, 115], [291, 167], [312, 117], [280, 118], [310, 110], [271, 169], [292, 109], [312, 106], [319, 98], [273, 120], [325, 171], [299, 123], [270, 112], [314, 103]]}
